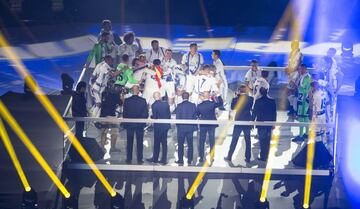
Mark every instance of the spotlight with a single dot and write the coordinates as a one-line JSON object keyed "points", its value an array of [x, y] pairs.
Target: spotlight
{"points": [[187, 202], [67, 84], [117, 202], [347, 49], [29, 199]]}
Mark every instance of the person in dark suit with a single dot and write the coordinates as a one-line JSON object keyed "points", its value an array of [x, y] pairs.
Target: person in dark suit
{"points": [[264, 110], [206, 111], [185, 110], [160, 110], [242, 104], [135, 107], [78, 107]]}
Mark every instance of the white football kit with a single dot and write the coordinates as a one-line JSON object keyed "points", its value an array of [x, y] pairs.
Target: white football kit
{"points": [[152, 55], [169, 77], [220, 75], [251, 76], [193, 64]]}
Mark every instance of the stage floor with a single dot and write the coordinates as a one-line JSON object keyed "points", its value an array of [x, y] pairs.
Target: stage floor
{"points": [[281, 165]]}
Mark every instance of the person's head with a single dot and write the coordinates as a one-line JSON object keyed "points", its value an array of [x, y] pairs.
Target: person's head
{"points": [[215, 54], [242, 89], [331, 52], [129, 37], [106, 25], [193, 48], [295, 45], [263, 91], [265, 74], [212, 70], [168, 53], [302, 69], [104, 38], [254, 65], [185, 95], [314, 85], [125, 59], [205, 70], [135, 90], [156, 62], [155, 45], [157, 96], [135, 62], [142, 58], [81, 87], [109, 60]]}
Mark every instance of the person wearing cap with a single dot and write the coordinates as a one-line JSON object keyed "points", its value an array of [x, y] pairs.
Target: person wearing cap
{"points": [[192, 62]]}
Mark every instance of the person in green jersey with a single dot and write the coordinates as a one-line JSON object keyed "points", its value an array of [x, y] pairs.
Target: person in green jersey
{"points": [[99, 51], [127, 73], [303, 87]]}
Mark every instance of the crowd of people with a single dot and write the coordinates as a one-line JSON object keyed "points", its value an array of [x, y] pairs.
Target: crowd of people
{"points": [[126, 81]]}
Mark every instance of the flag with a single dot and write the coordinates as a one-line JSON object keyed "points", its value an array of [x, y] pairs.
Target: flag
{"points": [[159, 73]]}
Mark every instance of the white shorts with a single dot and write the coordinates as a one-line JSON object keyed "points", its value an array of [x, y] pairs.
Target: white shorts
{"points": [[320, 119], [190, 83], [168, 88]]}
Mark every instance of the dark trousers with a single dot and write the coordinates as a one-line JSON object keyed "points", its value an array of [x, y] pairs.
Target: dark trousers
{"points": [[182, 136], [235, 137], [264, 139], [203, 132], [130, 132], [79, 128], [160, 138]]}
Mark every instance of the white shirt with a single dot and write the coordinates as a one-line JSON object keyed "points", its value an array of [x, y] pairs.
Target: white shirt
{"points": [[151, 55], [168, 67], [251, 76], [319, 102], [205, 83], [129, 50], [101, 73], [260, 82], [193, 62], [150, 81], [220, 73]]}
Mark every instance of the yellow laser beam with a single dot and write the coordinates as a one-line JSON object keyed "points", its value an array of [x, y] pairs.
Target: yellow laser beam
{"points": [[49, 107], [309, 163], [238, 107], [9, 147], [269, 165], [33, 150]]}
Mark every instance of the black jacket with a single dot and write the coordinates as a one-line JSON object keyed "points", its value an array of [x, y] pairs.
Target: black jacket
{"points": [[244, 113], [78, 105], [186, 110], [265, 109], [135, 107], [161, 110], [206, 111]]}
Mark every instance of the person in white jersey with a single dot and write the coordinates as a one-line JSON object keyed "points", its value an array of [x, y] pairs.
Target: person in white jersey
{"points": [[192, 62]]}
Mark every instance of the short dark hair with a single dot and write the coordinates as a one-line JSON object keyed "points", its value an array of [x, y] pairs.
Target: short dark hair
{"points": [[134, 61], [185, 95], [216, 52], [205, 67], [128, 35], [254, 61], [125, 58], [108, 56], [193, 44], [303, 65], [264, 73], [105, 33], [314, 84], [168, 50], [80, 85], [154, 41], [263, 91], [156, 62], [242, 88]]}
